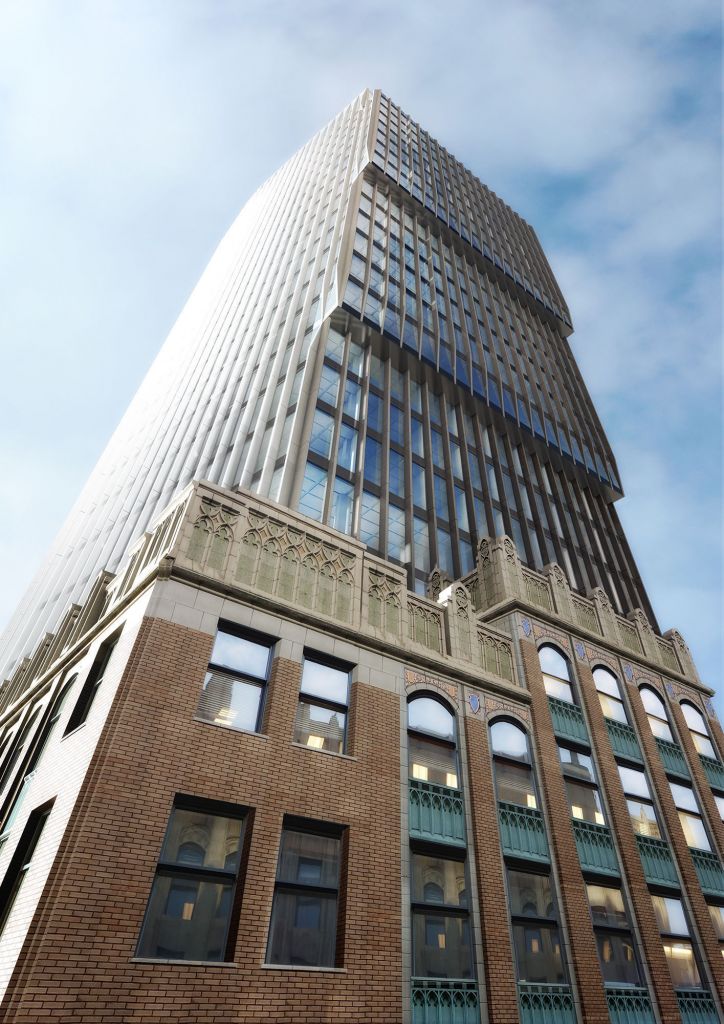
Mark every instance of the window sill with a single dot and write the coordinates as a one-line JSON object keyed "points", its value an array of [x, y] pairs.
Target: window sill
{"points": [[327, 753], [182, 963], [300, 967], [230, 728]]}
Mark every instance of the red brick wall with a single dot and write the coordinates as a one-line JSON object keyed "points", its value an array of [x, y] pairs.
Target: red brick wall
{"points": [[77, 964]]}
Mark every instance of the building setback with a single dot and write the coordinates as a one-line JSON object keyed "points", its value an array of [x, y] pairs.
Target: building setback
{"points": [[339, 697]]}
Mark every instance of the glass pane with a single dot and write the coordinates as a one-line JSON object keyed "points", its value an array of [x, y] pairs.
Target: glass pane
{"points": [[553, 663], [530, 894], [652, 702], [397, 474], [607, 905], [373, 461], [441, 946], [510, 739], [694, 831], [325, 681], [444, 552], [682, 964], [329, 385], [576, 763], [322, 431], [418, 485], [347, 449], [613, 709], [661, 729], [369, 527], [303, 929], [719, 801], [397, 425], [308, 859], [538, 954], [694, 718], [670, 915], [606, 682], [717, 919], [314, 486], [643, 819], [241, 655], [684, 797], [421, 537], [703, 745], [319, 727], [204, 840], [231, 702], [396, 547], [439, 881], [433, 762], [186, 919], [341, 506], [558, 688], [617, 957], [514, 784], [352, 399], [429, 715], [585, 803], [634, 782]]}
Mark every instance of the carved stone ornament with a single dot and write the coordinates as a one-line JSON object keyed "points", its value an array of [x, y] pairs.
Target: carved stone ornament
{"points": [[709, 705], [415, 678], [542, 631], [600, 595], [558, 576], [628, 672], [214, 522], [526, 626], [643, 623], [580, 650], [484, 552], [496, 706], [474, 702], [595, 654], [511, 554]]}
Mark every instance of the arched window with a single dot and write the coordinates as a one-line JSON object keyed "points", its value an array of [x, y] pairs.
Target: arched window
{"points": [[431, 741], [556, 673], [191, 853], [698, 730], [656, 714], [609, 694], [514, 783]]}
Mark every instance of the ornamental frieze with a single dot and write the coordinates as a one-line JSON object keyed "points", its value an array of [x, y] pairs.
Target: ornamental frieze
{"points": [[415, 678]]}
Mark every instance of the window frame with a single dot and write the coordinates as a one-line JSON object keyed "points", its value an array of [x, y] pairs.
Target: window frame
{"points": [[679, 936], [315, 657], [650, 715], [215, 668], [706, 735], [93, 682], [440, 910], [22, 859], [647, 801], [332, 830], [174, 869], [509, 759], [429, 737], [604, 693], [542, 922], [697, 814], [566, 680], [620, 930]]}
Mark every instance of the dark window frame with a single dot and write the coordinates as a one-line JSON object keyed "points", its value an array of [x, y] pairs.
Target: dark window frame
{"points": [[254, 636], [22, 859], [330, 705], [93, 682]]}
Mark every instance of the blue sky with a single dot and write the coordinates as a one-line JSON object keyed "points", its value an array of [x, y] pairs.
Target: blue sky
{"points": [[131, 134]]}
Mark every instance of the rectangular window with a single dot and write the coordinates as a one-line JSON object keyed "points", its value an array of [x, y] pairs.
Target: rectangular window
{"points": [[21, 860], [233, 693], [92, 684], [303, 930], [585, 803], [690, 817], [440, 918], [314, 487], [535, 928], [192, 898], [341, 506], [322, 711], [369, 526], [678, 948], [613, 937]]}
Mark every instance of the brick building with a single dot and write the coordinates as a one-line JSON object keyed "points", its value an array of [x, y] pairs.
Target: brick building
{"points": [[336, 700]]}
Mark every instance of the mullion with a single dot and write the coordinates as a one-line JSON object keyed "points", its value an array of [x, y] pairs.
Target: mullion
{"points": [[331, 705], [166, 868], [302, 887], [441, 909]]}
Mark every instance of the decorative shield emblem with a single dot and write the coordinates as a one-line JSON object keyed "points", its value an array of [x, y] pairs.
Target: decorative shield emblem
{"points": [[628, 672], [669, 689], [474, 702], [580, 650], [526, 627]]}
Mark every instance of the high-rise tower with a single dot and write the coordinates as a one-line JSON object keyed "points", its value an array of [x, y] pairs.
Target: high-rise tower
{"points": [[339, 697], [375, 276]]}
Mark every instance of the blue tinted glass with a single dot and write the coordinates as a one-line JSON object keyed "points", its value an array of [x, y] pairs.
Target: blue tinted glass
{"points": [[444, 552], [474, 470], [418, 443], [314, 486], [329, 385], [397, 474], [419, 495], [397, 425], [461, 510], [396, 534], [373, 461], [340, 513], [374, 412], [441, 503], [352, 398], [322, 430], [456, 459], [347, 449], [422, 544], [438, 457], [369, 525]]}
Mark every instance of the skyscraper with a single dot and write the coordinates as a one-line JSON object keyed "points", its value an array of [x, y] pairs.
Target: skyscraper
{"points": [[363, 471]]}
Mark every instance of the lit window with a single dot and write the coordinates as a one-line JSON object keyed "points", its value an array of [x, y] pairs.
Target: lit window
{"points": [[303, 929], [690, 816], [678, 948], [322, 710], [234, 686], [613, 936], [656, 714], [514, 783], [431, 742], [190, 906], [640, 804]]}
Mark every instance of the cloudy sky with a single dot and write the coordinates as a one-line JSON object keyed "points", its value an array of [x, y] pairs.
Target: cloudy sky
{"points": [[131, 133]]}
